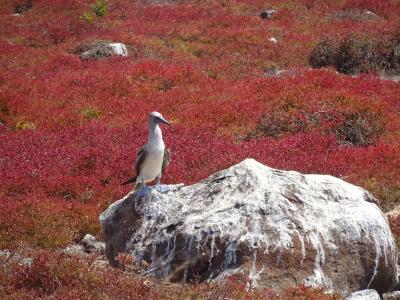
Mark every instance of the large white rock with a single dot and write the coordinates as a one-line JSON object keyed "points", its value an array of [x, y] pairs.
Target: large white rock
{"points": [[277, 228]]}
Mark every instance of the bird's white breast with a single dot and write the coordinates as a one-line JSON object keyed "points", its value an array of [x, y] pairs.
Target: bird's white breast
{"points": [[153, 161]]}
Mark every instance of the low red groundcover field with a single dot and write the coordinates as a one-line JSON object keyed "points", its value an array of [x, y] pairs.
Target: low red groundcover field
{"points": [[233, 84]]}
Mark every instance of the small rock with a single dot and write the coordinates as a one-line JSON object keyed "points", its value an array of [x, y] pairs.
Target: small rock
{"points": [[26, 261], [5, 254], [394, 213], [395, 78], [273, 40], [370, 13], [91, 245], [100, 263], [8, 256], [74, 250], [391, 296], [272, 72], [364, 295], [98, 49], [267, 14]]}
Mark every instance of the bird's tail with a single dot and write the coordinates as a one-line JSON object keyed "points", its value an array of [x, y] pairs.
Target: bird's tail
{"points": [[136, 185], [130, 180]]}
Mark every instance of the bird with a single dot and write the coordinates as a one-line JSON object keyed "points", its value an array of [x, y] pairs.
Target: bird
{"points": [[151, 159]]}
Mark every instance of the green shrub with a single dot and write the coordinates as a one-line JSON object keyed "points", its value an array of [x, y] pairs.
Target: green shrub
{"points": [[23, 124], [87, 17], [100, 8], [91, 113], [358, 54], [322, 55], [360, 129]]}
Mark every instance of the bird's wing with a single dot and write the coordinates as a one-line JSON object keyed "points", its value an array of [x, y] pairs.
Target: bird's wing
{"points": [[167, 158], [140, 157]]}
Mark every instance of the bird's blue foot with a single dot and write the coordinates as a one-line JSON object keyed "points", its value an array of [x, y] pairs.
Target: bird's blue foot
{"points": [[162, 188], [143, 192]]}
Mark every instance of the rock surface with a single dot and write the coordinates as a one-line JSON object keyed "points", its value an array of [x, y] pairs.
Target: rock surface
{"points": [[273, 72], [8, 256], [364, 295], [394, 213], [276, 228], [391, 296], [91, 245], [267, 14], [98, 49]]}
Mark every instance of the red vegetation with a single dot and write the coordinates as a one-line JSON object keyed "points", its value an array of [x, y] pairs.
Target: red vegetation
{"points": [[63, 277], [69, 129]]}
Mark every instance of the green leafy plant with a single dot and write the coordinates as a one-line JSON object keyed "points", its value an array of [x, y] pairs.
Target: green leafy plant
{"points": [[100, 8], [87, 17], [91, 113], [23, 124]]}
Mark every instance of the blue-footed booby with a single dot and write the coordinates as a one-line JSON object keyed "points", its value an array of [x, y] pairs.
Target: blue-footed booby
{"points": [[152, 158]]}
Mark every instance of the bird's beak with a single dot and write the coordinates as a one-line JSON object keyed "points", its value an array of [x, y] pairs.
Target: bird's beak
{"points": [[162, 120]]}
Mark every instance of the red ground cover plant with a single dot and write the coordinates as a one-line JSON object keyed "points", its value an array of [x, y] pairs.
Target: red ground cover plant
{"points": [[69, 128], [56, 276]]}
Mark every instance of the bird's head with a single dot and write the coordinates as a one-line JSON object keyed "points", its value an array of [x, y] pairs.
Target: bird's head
{"points": [[156, 118]]}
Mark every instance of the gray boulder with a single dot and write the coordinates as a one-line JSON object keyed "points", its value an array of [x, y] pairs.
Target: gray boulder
{"points": [[275, 228]]}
